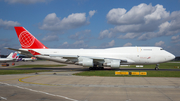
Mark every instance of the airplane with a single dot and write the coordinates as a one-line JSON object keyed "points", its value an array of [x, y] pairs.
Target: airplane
{"points": [[25, 59], [11, 57], [93, 58]]}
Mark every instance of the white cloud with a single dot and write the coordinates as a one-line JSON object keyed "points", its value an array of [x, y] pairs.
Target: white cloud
{"points": [[53, 23], [166, 28], [91, 13], [50, 38], [76, 44], [175, 38], [158, 14], [135, 15], [81, 35], [25, 1], [8, 24], [127, 44], [65, 43], [105, 33], [110, 44], [160, 43], [148, 35], [80, 44], [128, 36], [145, 21]]}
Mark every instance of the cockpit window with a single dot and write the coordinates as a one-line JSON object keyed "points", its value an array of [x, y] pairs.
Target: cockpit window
{"points": [[161, 49]]}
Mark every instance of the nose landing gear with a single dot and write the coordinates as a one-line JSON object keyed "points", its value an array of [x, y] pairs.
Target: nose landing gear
{"points": [[157, 67]]}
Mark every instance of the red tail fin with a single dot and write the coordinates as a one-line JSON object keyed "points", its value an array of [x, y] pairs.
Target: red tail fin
{"points": [[14, 55], [27, 40]]}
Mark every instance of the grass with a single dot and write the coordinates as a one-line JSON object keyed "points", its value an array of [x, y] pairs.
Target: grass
{"points": [[37, 66], [106, 73], [111, 73], [5, 72], [161, 66]]}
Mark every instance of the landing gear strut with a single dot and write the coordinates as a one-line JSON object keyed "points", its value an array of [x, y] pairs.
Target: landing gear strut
{"points": [[157, 67]]}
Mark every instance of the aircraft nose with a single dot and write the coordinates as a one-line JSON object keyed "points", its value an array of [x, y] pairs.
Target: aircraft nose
{"points": [[171, 56]]}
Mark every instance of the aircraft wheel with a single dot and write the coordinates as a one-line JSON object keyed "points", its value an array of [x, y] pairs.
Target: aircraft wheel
{"points": [[102, 68], [90, 68], [156, 68]]}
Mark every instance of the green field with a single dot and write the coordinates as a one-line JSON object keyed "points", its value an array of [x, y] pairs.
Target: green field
{"points": [[5, 72], [36, 66], [168, 65], [111, 73]]}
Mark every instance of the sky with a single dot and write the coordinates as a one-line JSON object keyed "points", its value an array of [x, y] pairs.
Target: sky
{"points": [[92, 24]]}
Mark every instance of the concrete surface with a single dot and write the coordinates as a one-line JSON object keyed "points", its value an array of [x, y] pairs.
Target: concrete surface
{"points": [[63, 86]]}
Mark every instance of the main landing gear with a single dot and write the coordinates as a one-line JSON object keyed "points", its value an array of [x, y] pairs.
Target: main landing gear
{"points": [[157, 67]]}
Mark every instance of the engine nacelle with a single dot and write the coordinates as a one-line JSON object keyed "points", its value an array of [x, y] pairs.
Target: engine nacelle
{"points": [[112, 63], [86, 62], [115, 64]]}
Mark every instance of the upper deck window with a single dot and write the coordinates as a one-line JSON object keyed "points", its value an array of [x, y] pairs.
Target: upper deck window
{"points": [[147, 49]]}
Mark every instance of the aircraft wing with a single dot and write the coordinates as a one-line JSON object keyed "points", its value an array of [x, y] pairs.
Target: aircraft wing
{"points": [[23, 52], [74, 56], [77, 56], [87, 61]]}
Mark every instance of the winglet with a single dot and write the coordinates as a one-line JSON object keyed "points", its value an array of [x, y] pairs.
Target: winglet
{"points": [[27, 40], [33, 52]]}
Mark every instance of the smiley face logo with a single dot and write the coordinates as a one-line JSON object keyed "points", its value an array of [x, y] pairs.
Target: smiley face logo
{"points": [[26, 39]]}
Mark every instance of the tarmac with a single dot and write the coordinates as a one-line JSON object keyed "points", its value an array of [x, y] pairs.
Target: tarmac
{"points": [[61, 85]]}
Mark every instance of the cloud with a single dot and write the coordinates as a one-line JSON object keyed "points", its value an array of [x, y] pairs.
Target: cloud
{"points": [[108, 44], [166, 28], [142, 22], [140, 14], [160, 43], [81, 35], [53, 23], [76, 44], [26, 1], [105, 33], [65, 43], [120, 16], [175, 38], [50, 38], [8, 25], [128, 36], [127, 44], [91, 13]]}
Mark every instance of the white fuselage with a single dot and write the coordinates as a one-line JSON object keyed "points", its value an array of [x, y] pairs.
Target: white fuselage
{"points": [[6, 60], [133, 55]]}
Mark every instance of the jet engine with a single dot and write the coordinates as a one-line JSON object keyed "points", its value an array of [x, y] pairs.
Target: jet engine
{"points": [[115, 64], [112, 63], [86, 62]]}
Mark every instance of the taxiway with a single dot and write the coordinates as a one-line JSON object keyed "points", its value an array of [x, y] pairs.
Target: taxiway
{"points": [[63, 86]]}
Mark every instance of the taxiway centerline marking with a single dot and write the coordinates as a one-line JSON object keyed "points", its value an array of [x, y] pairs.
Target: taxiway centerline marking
{"points": [[3, 98], [39, 91]]}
